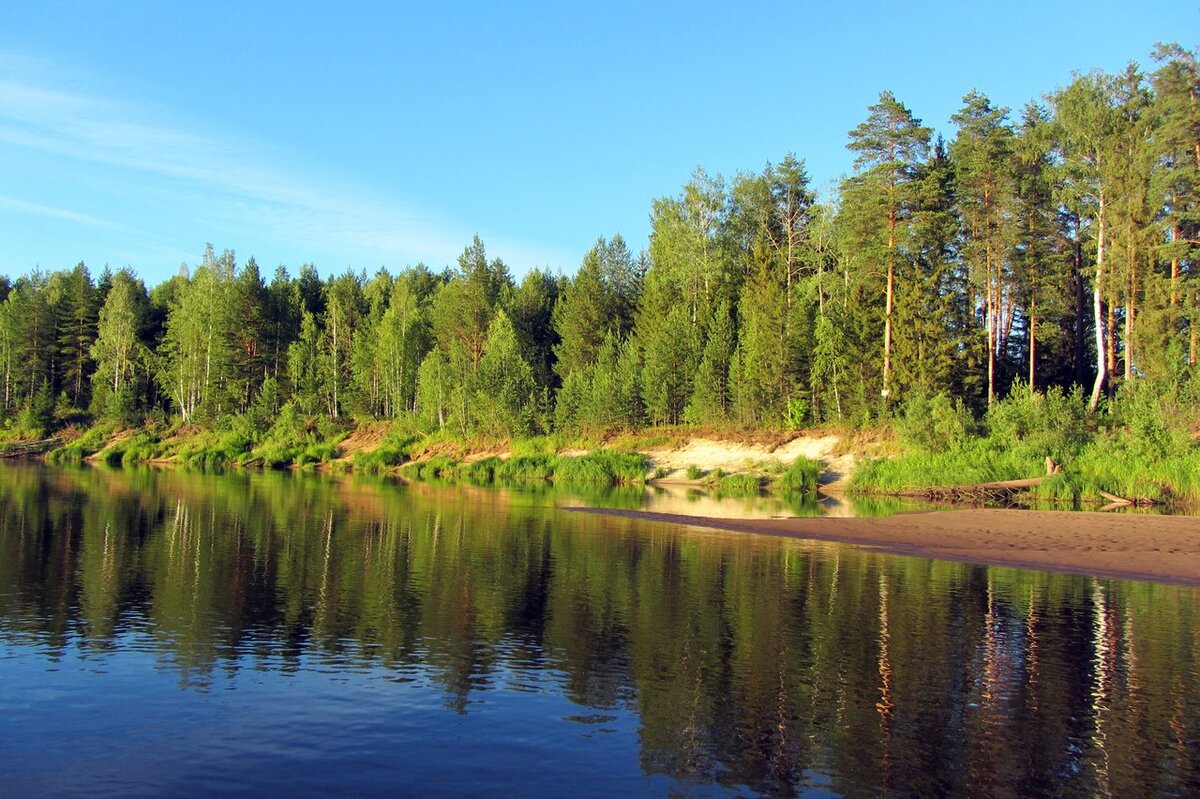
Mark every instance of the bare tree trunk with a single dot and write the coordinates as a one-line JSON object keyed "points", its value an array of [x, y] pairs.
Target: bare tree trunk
{"points": [[1112, 345], [1080, 338], [1033, 346], [890, 303], [1130, 310], [1098, 313], [990, 299]]}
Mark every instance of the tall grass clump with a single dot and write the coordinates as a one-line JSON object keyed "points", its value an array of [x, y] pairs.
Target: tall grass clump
{"points": [[391, 452], [525, 469], [740, 485], [91, 442], [138, 448], [603, 467], [481, 472], [948, 447], [439, 467], [1138, 447], [801, 477], [584, 470]]}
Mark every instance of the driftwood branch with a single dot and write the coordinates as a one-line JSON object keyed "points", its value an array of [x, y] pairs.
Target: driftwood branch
{"points": [[24, 449]]}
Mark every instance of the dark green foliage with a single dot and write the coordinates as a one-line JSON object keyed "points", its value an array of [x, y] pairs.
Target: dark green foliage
{"points": [[38, 417], [933, 423]]}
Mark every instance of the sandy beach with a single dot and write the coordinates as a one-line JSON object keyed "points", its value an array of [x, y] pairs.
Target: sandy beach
{"points": [[1130, 546]]}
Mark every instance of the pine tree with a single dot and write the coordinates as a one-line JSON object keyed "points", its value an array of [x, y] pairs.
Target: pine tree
{"points": [[1175, 148], [761, 388], [249, 362], [982, 156], [1039, 251], [879, 202], [669, 342]]}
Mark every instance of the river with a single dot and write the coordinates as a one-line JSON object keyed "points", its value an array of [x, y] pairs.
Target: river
{"points": [[165, 632]]}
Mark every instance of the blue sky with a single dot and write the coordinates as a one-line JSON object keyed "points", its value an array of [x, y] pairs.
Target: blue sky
{"points": [[361, 135]]}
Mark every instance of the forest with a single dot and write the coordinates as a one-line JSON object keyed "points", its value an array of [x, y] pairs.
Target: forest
{"points": [[1047, 251]]}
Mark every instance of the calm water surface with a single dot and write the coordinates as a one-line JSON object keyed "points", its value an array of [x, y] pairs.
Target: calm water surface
{"points": [[187, 634]]}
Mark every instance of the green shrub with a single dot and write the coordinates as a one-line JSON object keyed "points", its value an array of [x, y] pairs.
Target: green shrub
{"points": [[694, 472], [660, 472], [1054, 424], [933, 423], [801, 477], [316, 453]]}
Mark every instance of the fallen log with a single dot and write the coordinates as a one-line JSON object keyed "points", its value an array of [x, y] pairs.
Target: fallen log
{"points": [[999, 491], [1114, 500], [23, 449]]}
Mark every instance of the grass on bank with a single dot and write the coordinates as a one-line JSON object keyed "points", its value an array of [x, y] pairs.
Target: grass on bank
{"points": [[1139, 447]]}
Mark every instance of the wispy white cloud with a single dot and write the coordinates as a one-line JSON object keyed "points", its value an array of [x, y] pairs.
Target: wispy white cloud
{"points": [[22, 206], [244, 186]]}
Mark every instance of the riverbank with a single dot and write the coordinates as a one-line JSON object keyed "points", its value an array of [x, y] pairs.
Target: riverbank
{"points": [[713, 459], [1162, 549]]}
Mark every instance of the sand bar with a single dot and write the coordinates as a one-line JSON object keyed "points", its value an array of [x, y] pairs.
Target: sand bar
{"points": [[1124, 545]]}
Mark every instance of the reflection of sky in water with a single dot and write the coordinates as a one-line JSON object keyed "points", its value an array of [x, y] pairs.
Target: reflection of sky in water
{"points": [[189, 634]]}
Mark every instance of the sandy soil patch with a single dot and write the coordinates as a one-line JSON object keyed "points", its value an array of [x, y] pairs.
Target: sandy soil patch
{"points": [[1129, 546], [364, 439], [731, 457]]}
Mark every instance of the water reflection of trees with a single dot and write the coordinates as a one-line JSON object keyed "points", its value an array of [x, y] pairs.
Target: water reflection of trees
{"points": [[772, 664]]}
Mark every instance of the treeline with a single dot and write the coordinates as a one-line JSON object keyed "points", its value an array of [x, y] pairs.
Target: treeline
{"points": [[1057, 247]]}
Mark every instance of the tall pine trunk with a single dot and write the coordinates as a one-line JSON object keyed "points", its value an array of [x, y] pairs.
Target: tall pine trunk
{"points": [[1098, 312], [1032, 345], [889, 304]]}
